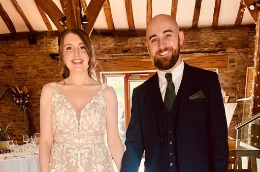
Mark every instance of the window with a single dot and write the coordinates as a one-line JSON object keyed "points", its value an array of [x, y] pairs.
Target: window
{"points": [[123, 84]]}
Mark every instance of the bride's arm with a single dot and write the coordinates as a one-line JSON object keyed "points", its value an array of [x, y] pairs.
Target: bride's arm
{"points": [[114, 142], [45, 128]]}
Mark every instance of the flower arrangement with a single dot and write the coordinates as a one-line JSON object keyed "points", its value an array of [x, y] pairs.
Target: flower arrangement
{"points": [[21, 97], [4, 133]]}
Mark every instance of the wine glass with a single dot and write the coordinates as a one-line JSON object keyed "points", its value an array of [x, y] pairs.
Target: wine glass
{"points": [[26, 139], [11, 145], [33, 143], [16, 148]]}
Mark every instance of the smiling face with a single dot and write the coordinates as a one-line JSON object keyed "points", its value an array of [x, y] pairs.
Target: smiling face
{"points": [[74, 53], [163, 40]]}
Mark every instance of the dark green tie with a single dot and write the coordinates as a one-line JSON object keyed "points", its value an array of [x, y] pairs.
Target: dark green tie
{"points": [[170, 92]]}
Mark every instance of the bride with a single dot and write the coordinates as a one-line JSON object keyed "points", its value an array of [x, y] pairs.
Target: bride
{"points": [[77, 113]]}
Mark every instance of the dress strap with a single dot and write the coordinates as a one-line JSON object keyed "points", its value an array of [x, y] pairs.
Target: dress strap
{"points": [[104, 85], [100, 92], [54, 85]]}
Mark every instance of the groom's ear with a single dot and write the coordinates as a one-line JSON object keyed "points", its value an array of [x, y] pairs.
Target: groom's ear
{"points": [[181, 37]]}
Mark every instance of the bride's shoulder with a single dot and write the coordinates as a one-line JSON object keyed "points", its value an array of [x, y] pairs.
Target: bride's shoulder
{"points": [[108, 90], [47, 90], [49, 87]]}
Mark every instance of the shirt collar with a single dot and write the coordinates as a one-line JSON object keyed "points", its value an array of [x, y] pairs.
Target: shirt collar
{"points": [[176, 72]]}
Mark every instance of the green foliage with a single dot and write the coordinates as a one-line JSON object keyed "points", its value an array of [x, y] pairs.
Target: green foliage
{"points": [[4, 133]]}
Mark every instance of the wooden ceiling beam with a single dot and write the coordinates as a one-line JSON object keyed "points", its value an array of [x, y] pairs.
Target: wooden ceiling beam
{"points": [[44, 17], [84, 6], [92, 12], [196, 13], [78, 13], [129, 13], [126, 51], [123, 51], [68, 9], [108, 14], [149, 11], [210, 61], [119, 33], [254, 13], [7, 19], [52, 11], [174, 9], [216, 13], [62, 6], [256, 70], [139, 63], [20, 11], [84, 9], [240, 13], [120, 65]]}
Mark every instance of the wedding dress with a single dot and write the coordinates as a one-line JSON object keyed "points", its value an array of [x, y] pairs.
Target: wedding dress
{"points": [[79, 144]]}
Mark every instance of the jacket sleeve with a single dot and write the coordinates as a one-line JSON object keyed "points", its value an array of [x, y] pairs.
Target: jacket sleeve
{"points": [[134, 143], [218, 136]]}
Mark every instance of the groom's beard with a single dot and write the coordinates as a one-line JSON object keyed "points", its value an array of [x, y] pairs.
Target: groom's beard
{"points": [[165, 63]]}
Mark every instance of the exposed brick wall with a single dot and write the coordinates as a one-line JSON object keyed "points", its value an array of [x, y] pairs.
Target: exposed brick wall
{"points": [[30, 65]]}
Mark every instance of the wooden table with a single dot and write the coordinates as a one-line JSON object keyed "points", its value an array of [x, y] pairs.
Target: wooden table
{"points": [[244, 150]]}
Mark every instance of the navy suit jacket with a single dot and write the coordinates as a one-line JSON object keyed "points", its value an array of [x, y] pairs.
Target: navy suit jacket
{"points": [[200, 129]]}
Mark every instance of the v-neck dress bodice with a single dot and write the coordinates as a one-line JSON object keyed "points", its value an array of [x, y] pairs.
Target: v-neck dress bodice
{"points": [[79, 144]]}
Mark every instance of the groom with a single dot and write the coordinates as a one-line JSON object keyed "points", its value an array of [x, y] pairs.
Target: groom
{"points": [[178, 122]]}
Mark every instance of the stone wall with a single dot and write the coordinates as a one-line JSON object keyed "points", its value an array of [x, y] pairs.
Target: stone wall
{"points": [[30, 65]]}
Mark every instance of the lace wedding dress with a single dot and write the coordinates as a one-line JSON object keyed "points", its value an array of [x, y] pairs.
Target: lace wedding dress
{"points": [[78, 144]]}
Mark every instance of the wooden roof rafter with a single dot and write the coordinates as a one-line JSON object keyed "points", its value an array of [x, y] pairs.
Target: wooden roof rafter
{"points": [[254, 13], [216, 13], [92, 12], [84, 6], [240, 13], [108, 14], [44, 17], [77, 12], [52, 11], [7, 19], [149, 11], [174, 9], [256, 77], [63, 6], [68, 10], [196, 13], [129, 13], [20, 11]]}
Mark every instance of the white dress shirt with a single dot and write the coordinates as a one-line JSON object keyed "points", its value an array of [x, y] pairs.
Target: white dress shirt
{"points": [[177, 74]]}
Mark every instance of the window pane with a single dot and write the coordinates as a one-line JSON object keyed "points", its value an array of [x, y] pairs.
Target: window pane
{"points": [[117, 82]]}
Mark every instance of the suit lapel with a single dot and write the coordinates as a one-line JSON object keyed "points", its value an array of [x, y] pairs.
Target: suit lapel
{"points": [[182, 99], [185, 85], [155, 90]]}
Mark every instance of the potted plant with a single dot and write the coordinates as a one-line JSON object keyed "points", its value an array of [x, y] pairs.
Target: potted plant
{"points": [[4, 136]]}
